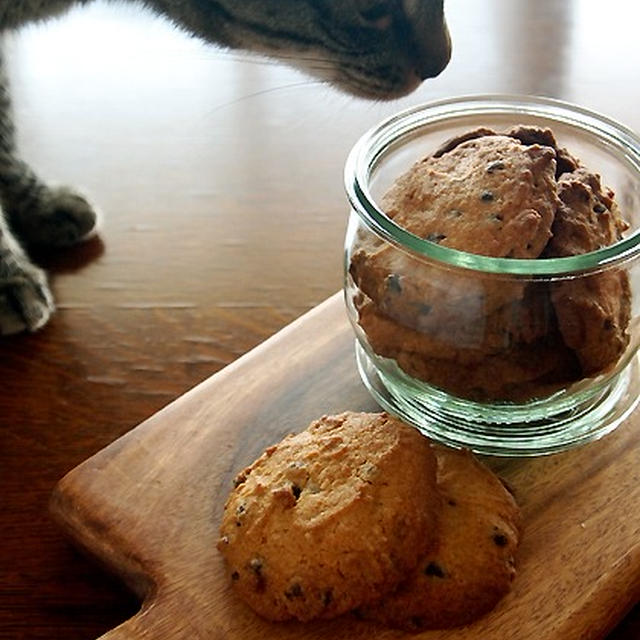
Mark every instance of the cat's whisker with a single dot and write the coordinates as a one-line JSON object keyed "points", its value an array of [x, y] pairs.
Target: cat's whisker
{"points": [[254, 58], [284, 87]]}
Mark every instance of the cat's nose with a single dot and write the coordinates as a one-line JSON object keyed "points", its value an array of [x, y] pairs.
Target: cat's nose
{"points": [[431, 58], [430, 42]]}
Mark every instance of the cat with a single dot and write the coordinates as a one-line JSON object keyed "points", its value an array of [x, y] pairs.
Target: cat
{"points": [[378, 49]]}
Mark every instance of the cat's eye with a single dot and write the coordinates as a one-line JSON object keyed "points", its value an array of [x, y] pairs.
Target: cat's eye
{"points": [[376, 13]]}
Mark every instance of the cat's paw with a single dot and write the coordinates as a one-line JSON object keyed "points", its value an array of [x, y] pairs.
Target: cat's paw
{"points": [[26, 302], [60, 218]]}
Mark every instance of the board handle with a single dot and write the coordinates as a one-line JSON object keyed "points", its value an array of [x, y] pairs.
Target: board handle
{"points": [[132, 629], [150, 623]]}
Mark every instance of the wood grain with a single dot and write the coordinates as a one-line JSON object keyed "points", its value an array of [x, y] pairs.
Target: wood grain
{"points": [[149, 506], [219, 177]]}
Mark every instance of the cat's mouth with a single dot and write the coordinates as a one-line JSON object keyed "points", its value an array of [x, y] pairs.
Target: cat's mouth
{"points": [[373, 87], [386, 84], [424, 58]]}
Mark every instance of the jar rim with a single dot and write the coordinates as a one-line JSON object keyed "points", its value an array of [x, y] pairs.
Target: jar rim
{"points": [[379, 140]]}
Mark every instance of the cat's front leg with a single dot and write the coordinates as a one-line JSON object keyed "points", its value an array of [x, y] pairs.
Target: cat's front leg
{"points": [[42, 215], [39, 215], [26, 302], [35, 215]]}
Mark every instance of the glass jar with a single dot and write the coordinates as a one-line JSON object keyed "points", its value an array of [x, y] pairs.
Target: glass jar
{"points": [[505, 356]]}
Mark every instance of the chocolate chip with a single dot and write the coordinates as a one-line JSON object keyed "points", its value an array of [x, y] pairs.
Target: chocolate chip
{"points": [[599, 208], [497, 217], [358, 614], [296, 490], [294, 591], [608, 324], [452, 502], [500, 539], [433, 569], [241, 478], [255, 564], [235, 576], [436, 237], [487, 196], [416, 622], [393, 283], [496, 165], [327, 597], [240, 509]]}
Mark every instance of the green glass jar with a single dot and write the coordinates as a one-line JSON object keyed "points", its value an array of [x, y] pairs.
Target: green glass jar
{"points": [[478, 351]]}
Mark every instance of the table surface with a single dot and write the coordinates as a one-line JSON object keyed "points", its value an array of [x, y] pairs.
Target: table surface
{"points": [[220, 179]]}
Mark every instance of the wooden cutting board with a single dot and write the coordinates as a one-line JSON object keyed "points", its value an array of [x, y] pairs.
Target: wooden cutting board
{"points": [[148, 506]]}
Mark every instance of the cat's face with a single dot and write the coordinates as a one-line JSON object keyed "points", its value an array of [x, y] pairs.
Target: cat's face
{"points": [[373, 48]]}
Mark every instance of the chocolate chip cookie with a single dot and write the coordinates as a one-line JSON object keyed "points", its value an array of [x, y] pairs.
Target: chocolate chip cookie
{"points": [[472, 564], [594, 311], [516, 372], [489, 195], [330, 518]]}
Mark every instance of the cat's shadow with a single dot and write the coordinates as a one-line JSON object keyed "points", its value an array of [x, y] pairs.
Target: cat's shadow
{"points": [[68, 259]]}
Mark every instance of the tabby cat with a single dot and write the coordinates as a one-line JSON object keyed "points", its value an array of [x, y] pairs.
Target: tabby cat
{"points": [[373, 48]]}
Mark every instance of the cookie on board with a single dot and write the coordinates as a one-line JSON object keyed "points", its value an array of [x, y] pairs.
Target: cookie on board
{"points": [[330, 518], [472, 564]]}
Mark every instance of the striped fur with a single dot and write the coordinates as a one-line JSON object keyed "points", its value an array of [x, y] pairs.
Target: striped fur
{"points": [[377, 49]]}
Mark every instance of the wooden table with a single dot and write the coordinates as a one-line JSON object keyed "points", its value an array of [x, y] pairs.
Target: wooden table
{"points": [[221, 181]]}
